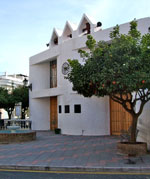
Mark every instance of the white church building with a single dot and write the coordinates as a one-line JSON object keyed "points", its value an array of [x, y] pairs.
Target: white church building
{"points": [[53, 104]]}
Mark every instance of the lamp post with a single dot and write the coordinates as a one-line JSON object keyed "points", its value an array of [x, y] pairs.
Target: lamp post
{"points": [[25, 82]]}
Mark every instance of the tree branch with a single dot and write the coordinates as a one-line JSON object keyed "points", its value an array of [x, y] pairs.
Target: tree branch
{"points": [[122, 102], [115, 99]]}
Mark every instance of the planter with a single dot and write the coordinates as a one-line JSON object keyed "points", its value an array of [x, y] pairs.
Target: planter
{"points": [[57, 131], [132, 149]]}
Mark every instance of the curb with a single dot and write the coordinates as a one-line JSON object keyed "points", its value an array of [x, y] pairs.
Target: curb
{"points": [[77, 169]]}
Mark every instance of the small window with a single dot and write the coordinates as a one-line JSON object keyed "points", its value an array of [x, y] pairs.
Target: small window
{"points": [[67, 109], [87, 28], [77, 108], [59, 109], [56, 40]]}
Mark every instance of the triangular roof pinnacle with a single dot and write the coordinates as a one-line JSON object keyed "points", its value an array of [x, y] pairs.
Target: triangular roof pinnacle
{"points": [[90, 20], [56, 32], [67, 25], [70, 25], [73, 26]]}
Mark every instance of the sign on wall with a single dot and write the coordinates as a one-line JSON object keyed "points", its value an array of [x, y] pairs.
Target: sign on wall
{"points": [[18, 109]]}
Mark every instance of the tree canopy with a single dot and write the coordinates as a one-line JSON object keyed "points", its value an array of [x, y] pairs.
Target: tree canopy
{"points": [[9, 99], [119, 68], [21, 94]]}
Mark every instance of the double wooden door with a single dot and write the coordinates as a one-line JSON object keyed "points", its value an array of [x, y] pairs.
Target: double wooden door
{"points": [[53, 113], [120, 118]]}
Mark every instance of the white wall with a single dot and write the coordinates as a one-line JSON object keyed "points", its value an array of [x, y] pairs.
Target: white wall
{"points": [[94, 118], [144, 125], [40, 76], [40, 113]]}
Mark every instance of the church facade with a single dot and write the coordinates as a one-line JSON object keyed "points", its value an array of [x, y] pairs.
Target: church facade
{"points": [[53, 104]]}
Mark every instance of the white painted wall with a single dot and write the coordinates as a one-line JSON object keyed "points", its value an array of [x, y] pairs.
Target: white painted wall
{"points": [[94, 118], [144, 125], [40, 113], [40, 76]]}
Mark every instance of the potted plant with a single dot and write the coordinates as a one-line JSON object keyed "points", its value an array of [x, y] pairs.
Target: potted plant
{"points": [[57, 131], [129, 148]]}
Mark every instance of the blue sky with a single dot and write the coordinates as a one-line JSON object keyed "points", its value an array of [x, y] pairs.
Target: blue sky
{"points": [[26, 25]]}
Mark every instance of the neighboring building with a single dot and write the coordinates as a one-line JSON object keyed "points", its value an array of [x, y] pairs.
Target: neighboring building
{"points": [[8, 82], [11, 81], [53, 104]]}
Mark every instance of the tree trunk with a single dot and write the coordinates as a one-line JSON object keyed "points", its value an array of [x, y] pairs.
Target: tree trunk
{"points": [[133, 128], [23, 113], [9, 111], [9, 115]]}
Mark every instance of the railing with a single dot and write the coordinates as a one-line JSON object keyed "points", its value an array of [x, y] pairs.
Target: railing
{"points": [[23, 123]]}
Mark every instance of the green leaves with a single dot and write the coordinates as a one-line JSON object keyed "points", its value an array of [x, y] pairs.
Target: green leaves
{"points": [[9, 99], [91, 42], [118, 67], [115, 32], [133, 29], [21, 94]]}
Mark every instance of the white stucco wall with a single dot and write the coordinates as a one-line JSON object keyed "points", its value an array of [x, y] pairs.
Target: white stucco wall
{"points": [[40, 76], [94, 118], [144, 125], [40, 113]]}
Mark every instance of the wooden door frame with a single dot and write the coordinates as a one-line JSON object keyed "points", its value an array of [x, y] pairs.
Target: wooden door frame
{"points": [[56, 108]]}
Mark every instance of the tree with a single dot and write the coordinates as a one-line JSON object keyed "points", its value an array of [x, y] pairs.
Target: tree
{"points": [[119, 68], [2, 96], [21, 94], [7, 101]]}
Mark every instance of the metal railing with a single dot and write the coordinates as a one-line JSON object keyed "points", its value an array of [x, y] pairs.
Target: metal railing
{"points": [[23, 123]]}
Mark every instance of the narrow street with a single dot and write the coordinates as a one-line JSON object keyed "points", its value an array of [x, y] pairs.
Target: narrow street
{"points": [[14, 174]]}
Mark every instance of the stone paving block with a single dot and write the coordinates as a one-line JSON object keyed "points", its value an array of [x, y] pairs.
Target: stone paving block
{"points": [[60, 150]]}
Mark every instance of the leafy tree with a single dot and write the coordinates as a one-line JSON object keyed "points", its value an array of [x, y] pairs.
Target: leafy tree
{"points": [[21, 94], [119, 68], [2, 96], [9, 105], [7, 101]]}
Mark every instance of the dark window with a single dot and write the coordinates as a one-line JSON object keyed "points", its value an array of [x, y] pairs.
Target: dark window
{"points": [[67, 109], [87, 28], [59, 109], [77, 108], [70, 35], [56, 41]]}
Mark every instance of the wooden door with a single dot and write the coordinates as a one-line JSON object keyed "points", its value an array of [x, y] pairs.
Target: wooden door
{"points": [[53, 113], [119, 117]]}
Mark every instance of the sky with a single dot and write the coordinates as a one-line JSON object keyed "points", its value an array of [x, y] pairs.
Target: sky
{"points": [[26, 25]]}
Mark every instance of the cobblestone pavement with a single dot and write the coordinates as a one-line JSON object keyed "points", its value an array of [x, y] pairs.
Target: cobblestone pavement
{"points": [[51, 150]]}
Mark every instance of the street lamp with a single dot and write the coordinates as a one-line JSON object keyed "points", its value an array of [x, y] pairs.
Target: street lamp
{"points": [[25, 83]]}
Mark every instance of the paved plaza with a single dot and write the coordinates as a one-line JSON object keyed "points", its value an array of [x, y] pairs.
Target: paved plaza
{"points": [[61, 152]]}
